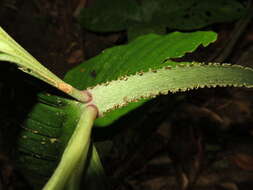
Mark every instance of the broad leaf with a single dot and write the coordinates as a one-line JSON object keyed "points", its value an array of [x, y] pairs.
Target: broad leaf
{"points": [[190, 14], [45, 133], [44, 136], [116, 15], [142, 29], [146, 52], [104, 14]]}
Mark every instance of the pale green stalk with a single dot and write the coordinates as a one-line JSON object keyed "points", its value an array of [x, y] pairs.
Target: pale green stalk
{"points": [[11, 51], [75, 152], [75, 180], [93, 176]]}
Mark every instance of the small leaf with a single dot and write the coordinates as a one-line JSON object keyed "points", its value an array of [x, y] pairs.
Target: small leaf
{"points": [[149, 51]]}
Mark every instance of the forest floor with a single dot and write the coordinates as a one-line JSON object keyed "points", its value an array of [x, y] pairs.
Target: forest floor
{"points": [[185, 141]]}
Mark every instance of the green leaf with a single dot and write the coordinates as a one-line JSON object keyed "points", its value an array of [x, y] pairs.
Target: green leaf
{"points": [[149, 51], [172, 78], [116, 15], [142, 29], [190, 14], [94, 177], [75, 153], [11, 51], [113, 115], [44, 136]]}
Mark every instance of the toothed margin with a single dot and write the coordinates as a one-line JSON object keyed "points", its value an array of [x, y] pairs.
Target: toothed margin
{"points": [[168, 67], [114, 94]]}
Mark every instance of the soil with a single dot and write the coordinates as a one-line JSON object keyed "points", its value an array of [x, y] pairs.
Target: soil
{"points": [[199, 140]]}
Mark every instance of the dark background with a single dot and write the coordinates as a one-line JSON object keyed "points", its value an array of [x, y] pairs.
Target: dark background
{"points": [[196, 140]]}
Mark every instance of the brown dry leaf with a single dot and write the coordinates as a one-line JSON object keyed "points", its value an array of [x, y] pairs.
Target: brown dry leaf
{"points": [[76, 57], [243, 161]]}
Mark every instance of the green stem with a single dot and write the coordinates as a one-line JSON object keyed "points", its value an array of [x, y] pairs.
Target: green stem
{"points": [[94, 175], [82, 96], [75, 151], [11, 51], [74, 181]]}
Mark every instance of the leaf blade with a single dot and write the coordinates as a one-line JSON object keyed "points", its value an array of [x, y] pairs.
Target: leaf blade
{"points": [[187, 76], [149, 51], [111, 16], [134, 57]]}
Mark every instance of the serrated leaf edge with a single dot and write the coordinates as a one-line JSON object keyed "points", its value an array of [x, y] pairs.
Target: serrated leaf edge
{"points": [[126, 100]]}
